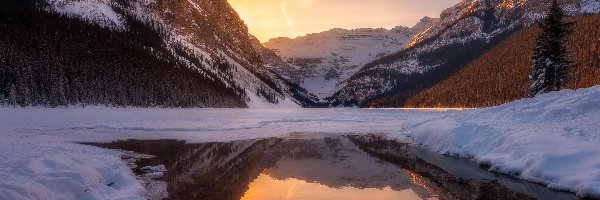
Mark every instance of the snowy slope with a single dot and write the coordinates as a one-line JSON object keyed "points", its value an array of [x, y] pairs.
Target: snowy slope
{"points": [[461, 33], [96, 11], [203, 35], [324, 60], [590, 6]]}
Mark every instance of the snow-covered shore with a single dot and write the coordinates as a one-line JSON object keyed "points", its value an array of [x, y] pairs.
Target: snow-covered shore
{"points": [[552, 140]]}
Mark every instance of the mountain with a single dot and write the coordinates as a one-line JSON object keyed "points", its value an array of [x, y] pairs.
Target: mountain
{"points": [[321, 62], [463, 33], [500, 75], [193, 53], [286, 76]]}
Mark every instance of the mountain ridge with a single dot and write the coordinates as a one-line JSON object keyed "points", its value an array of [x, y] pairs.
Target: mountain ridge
{"points": [[322, 61], [464, 32]]}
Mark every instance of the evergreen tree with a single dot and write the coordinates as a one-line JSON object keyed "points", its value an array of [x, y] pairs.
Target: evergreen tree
{"points": [[2, 99], [12, 95], [550, 61]]}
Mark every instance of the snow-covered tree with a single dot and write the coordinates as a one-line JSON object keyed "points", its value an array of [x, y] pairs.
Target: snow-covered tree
{"points": [[550, 56]]}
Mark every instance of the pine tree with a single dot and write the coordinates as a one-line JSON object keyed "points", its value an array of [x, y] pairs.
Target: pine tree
{"points": [[2, 100], [12, 95], [550, 60]]}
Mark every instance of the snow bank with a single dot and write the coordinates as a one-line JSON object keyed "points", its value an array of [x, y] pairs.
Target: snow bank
{"points": [[552, 139], [38, 169]]}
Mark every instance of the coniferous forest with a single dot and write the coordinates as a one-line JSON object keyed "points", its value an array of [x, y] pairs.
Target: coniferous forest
{"points": [[63, 61], [501, 74]]}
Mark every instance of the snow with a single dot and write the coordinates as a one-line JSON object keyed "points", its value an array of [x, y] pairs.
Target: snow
{"points": [[35, 168], [551, 139], [328, 58], [260, 103], [97, 11], [590, 6]]}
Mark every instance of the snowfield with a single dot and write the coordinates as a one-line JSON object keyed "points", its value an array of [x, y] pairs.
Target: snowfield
{"points": [[552, 140]]}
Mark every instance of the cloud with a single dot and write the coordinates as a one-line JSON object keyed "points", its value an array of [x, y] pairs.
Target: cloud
{"points": [[283, 7]]}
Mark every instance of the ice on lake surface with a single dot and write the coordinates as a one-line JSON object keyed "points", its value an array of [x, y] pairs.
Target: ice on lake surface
{"points": [[313, 166]]}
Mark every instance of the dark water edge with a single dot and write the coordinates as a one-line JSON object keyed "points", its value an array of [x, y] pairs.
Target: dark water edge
{"points": [[225, 170]]}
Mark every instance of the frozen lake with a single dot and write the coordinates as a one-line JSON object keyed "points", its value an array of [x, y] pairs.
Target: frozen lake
{"points": [[321, 166], [551, 140]]}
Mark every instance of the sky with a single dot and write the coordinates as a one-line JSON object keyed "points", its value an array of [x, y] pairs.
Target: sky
{"points": [[291, 18]]}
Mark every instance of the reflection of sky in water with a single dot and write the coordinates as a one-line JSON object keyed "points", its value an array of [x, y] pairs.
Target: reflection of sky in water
{"points": [[266, 187], [334, 169]]}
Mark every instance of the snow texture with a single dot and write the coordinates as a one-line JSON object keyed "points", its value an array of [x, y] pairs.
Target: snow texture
{"points": [[99, 12], [324, 60], [551, 139], [590, 6]]}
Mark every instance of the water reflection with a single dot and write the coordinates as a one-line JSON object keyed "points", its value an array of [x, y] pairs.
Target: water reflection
{"points": [[268, 188], [333, 167]]}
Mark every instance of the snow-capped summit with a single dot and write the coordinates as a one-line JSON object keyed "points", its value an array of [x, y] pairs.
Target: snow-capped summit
{"points": [[324, 60]]}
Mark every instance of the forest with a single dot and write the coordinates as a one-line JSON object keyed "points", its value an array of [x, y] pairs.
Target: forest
{"points": [[501, 74]]}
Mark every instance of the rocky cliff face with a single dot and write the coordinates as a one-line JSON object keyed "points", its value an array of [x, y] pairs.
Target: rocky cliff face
{"points": [[287, 76]]}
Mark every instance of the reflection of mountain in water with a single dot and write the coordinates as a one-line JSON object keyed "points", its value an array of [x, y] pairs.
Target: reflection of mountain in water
{"points": [[337, 162], [225, 170]]}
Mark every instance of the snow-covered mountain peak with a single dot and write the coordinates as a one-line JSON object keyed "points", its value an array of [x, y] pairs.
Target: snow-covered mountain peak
{"points": [[324, 60], [505, 13]]}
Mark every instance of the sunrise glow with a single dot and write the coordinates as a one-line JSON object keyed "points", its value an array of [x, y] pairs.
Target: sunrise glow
{"points": [[267, 187], [290, 18]]}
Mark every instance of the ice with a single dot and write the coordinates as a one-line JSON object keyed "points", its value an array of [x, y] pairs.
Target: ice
{"points": [[551, 139], [154, 174], [159, 168]]}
